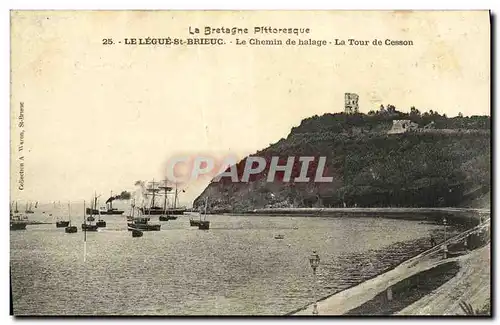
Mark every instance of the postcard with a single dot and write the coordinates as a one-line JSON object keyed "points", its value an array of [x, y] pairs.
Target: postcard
{"points": [[257, 163]]}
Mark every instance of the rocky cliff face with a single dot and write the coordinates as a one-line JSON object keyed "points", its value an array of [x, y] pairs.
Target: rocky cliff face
{"points": [[369, 168]]}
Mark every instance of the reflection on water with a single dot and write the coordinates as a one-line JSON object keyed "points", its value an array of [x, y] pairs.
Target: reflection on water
{"points": [[237, 267]]}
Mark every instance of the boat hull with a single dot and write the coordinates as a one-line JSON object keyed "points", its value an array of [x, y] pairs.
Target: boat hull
{"points": [[194, 223], [167, 218], [204, 225], [136, 233], [18, 226], [143, 227], [71, 229], [101, 224], [62, 224], [160, 211], [104, 212]]}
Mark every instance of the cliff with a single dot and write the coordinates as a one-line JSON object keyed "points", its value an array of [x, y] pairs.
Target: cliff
{"points": [[371, 168]]}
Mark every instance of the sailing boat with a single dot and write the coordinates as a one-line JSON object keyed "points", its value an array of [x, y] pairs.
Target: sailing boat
{"points": [[132, 208], [204, 224], [136, 233], [88, 226], [152, 209], [100, 223], [70, 229], [168, 212], [16, 221], [193, 222], [28, 210], [171, 212], [165, 216], [91, 211], [142, 223], [62, 223]]}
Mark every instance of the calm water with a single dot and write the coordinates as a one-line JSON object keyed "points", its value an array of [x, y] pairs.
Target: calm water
{"points": [[237, 267]]}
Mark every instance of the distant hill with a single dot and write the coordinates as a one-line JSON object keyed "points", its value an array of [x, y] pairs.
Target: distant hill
{"points": [[371, 168]]}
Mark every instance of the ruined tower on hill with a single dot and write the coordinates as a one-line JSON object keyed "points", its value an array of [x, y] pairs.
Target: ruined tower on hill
{"points": [[351, 103]]}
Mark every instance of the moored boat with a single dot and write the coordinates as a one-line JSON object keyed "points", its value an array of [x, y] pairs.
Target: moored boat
{"points": [[194, 222], [204, 224], [104, 211], [167, 217], [29, 209], [154, 190], [62, 224], [17, 224], [101, 223], [70, 229], [89, 226], [142, 223], [136, 233]]}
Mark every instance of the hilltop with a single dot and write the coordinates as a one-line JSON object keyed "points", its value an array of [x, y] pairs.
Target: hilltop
{"points": [[449, 166]]}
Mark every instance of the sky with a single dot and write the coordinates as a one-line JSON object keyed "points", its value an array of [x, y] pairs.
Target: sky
{"points": [[100, 117]]}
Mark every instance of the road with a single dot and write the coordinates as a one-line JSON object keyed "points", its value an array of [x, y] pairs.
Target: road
{"points": [[470, 284]]}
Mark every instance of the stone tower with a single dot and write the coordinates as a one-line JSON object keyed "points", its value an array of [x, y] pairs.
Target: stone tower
{"points": [[351, 103]]}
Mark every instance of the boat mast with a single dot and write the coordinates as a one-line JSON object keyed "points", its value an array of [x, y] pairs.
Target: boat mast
{"points": [[111, 202], [85, 232], [153, 190], [175, 198], [85, 222], [133, 207], [151, 204], [165, 198], [95, 205], [69, 212]]}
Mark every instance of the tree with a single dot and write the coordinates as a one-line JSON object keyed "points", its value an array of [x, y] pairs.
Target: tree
{"points": [[414, 112], [460, 115]]}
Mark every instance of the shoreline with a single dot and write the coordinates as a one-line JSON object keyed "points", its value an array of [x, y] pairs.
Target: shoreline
{"points": [[342, 302], [470, 216], [287, 211]]}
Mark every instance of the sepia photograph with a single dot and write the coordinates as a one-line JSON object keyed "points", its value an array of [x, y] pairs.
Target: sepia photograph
{"points": [[250, 163]]}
